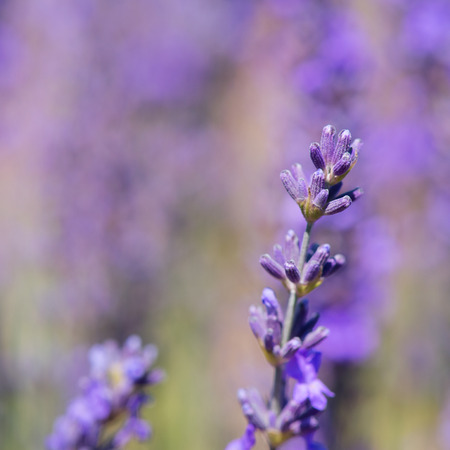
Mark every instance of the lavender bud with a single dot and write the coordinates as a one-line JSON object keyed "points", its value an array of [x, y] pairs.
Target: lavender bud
{"points": [[321, 254], [311, 250], [290, 348], [253, 407], [300, 314], [343, 142], [354, 194], [334, 190], [269, 300], [356, 146], [292, 271], [332, 265], [338, 205], [315, 337], [310, 272], [327, 142], [309, 325], [321, 199], [297, 172], [269, 341], [291, 248], [342, 165], [256, 324], [317, 182], [302, 189], [290, 184], [272, 267], [288, 415], [316, 156], [309, 426], [278, 254]]}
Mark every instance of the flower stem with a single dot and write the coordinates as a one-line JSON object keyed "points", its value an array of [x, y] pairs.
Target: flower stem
{"points": [[279, 382], [287, 328]]}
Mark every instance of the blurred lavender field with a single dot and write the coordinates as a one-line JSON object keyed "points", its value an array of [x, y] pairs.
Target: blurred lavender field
{"points": [[140, 150]]}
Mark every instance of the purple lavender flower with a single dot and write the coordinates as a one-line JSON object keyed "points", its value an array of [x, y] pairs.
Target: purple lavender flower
{"points": [[333, 161], [304, 368], [245, 442], [289, 340], [285, 265], [114, 388], [267, 326], [297, 417]]}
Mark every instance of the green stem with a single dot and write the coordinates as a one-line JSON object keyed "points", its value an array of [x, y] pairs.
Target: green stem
{"points": [[279, 382], [287, 328]]}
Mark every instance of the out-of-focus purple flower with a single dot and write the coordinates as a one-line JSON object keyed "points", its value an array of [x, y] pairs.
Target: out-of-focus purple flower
{"points": [[424, 35], [337, 64], [115, 386], [284, 265], [245, 442]]}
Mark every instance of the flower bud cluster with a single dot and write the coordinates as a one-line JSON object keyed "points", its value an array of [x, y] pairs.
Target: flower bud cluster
{"points": [[284, 265], [333, 162], [113, 392], [298, 416]]}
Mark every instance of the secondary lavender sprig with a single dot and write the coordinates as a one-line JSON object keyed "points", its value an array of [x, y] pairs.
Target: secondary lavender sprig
{"points": [[285, 265], [289, 340], [112, 395]]}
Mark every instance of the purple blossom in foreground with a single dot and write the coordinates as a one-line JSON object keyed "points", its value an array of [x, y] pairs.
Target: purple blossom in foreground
{"points": [[245, 442], [297, 416], [113, 390], [289, 340]]}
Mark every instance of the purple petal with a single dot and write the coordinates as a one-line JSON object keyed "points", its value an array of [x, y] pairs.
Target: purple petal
{"points": [[297, 172], [317, 391], [310, 272], [338, 205], [290, 348], [317, 182], [291, 247], [327, 142], [342, 165], [321, 199], [292, 271], [333, 264], [245, 442], [290, 184], [278, 254], [270, 301], [272, 267], [316, 156], [253, 407], [342, 145], [315, 337]]}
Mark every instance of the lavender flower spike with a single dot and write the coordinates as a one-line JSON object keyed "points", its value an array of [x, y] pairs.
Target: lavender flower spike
{"points": [[289, 340], [115, 387]]}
